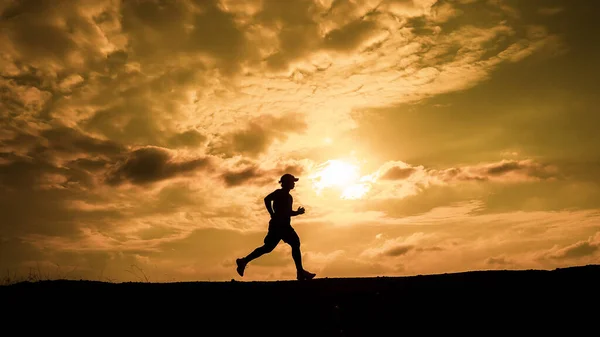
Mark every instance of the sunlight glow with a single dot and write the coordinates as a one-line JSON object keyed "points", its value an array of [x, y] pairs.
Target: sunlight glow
{"points": [[355, 191], [340, 175]]}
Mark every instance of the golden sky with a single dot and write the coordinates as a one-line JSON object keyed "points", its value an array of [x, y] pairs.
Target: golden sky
{"points": [[138, 138]]}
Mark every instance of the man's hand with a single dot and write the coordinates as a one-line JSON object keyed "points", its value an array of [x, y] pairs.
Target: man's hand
{"points": [[300, 210]]}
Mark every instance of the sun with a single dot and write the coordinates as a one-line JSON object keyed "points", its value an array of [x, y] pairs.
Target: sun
{"points": [[338, 173], [341, 176]]}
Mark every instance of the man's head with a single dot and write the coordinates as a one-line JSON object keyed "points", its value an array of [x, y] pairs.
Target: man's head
{"points": [[288, 181]]}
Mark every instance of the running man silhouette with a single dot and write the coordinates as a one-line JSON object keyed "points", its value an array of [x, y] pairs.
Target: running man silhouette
{"points": [[280, 228]]}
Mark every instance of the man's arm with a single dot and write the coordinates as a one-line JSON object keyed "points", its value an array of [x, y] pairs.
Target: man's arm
{"points": [[298, 212], [268, 200]]}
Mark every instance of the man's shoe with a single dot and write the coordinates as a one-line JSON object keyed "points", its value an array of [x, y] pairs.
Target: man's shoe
{"points": [[305, 275], [241, 265]]}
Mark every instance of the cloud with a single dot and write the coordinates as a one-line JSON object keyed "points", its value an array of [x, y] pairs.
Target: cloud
{"points": [[447, 245], [157, 72], [70, 141], [65, 154], [185, 29], [258, 135], [498, 261], [397, 247], [253, 173], [504, 171], [56, 141], [152, 164], [396, 179], [351, 36], [398, 251], [38, 34], [576, 250], [187, 139], [242, 176], [515, 240], [398, 173]]}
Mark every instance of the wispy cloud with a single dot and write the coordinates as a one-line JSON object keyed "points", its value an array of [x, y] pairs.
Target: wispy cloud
{"points": [[398, 179]]}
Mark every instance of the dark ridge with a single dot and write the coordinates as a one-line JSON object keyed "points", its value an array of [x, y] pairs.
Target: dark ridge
{"points": [[524, 302]]}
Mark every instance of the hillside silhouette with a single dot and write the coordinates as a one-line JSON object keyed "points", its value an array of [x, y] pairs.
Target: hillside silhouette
{"points": [[525, 302]]}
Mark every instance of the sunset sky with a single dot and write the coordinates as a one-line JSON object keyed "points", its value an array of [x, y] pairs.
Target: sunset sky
{"points": [[139, 138]]}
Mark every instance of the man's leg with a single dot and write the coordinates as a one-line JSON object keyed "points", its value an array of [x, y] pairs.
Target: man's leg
{"points": [[270, 242], [292, 239]]}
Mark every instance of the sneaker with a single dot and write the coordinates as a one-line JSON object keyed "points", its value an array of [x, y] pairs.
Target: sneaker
{"points": [[241, 265], [305, 275]]}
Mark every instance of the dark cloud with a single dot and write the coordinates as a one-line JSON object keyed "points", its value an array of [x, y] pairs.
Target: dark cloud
{"points": [[258, 135], [398, 173], [152, 164], [90, 165], [527, 167], [502, 168], [252, 141], [65, 154], [577, 250], [505, 170], [187, 139], [48, 171], [252, 174], [18, 99], [398, 251], [183, 28], [26, 174], [130, 122], [51, 189], [240, 177], [297, 32], [68, 140], [304, 27], [429, 249], [54, 38], [349, 37], [133, 108]]}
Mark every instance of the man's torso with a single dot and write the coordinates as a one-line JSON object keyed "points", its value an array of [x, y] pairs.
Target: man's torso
{"points": [[282, 208]]}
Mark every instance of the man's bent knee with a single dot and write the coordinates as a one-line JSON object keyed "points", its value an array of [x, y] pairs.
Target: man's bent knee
{"points": [[294, 242]]}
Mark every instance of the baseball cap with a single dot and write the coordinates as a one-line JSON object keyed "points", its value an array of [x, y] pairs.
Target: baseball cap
{"points": [[287, 177]]}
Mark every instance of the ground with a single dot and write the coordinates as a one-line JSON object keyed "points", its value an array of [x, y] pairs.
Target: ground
{"points": [[471, 303]]}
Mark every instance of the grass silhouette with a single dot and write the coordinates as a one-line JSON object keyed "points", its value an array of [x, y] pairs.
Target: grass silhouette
{"points": [[38, 274]]}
